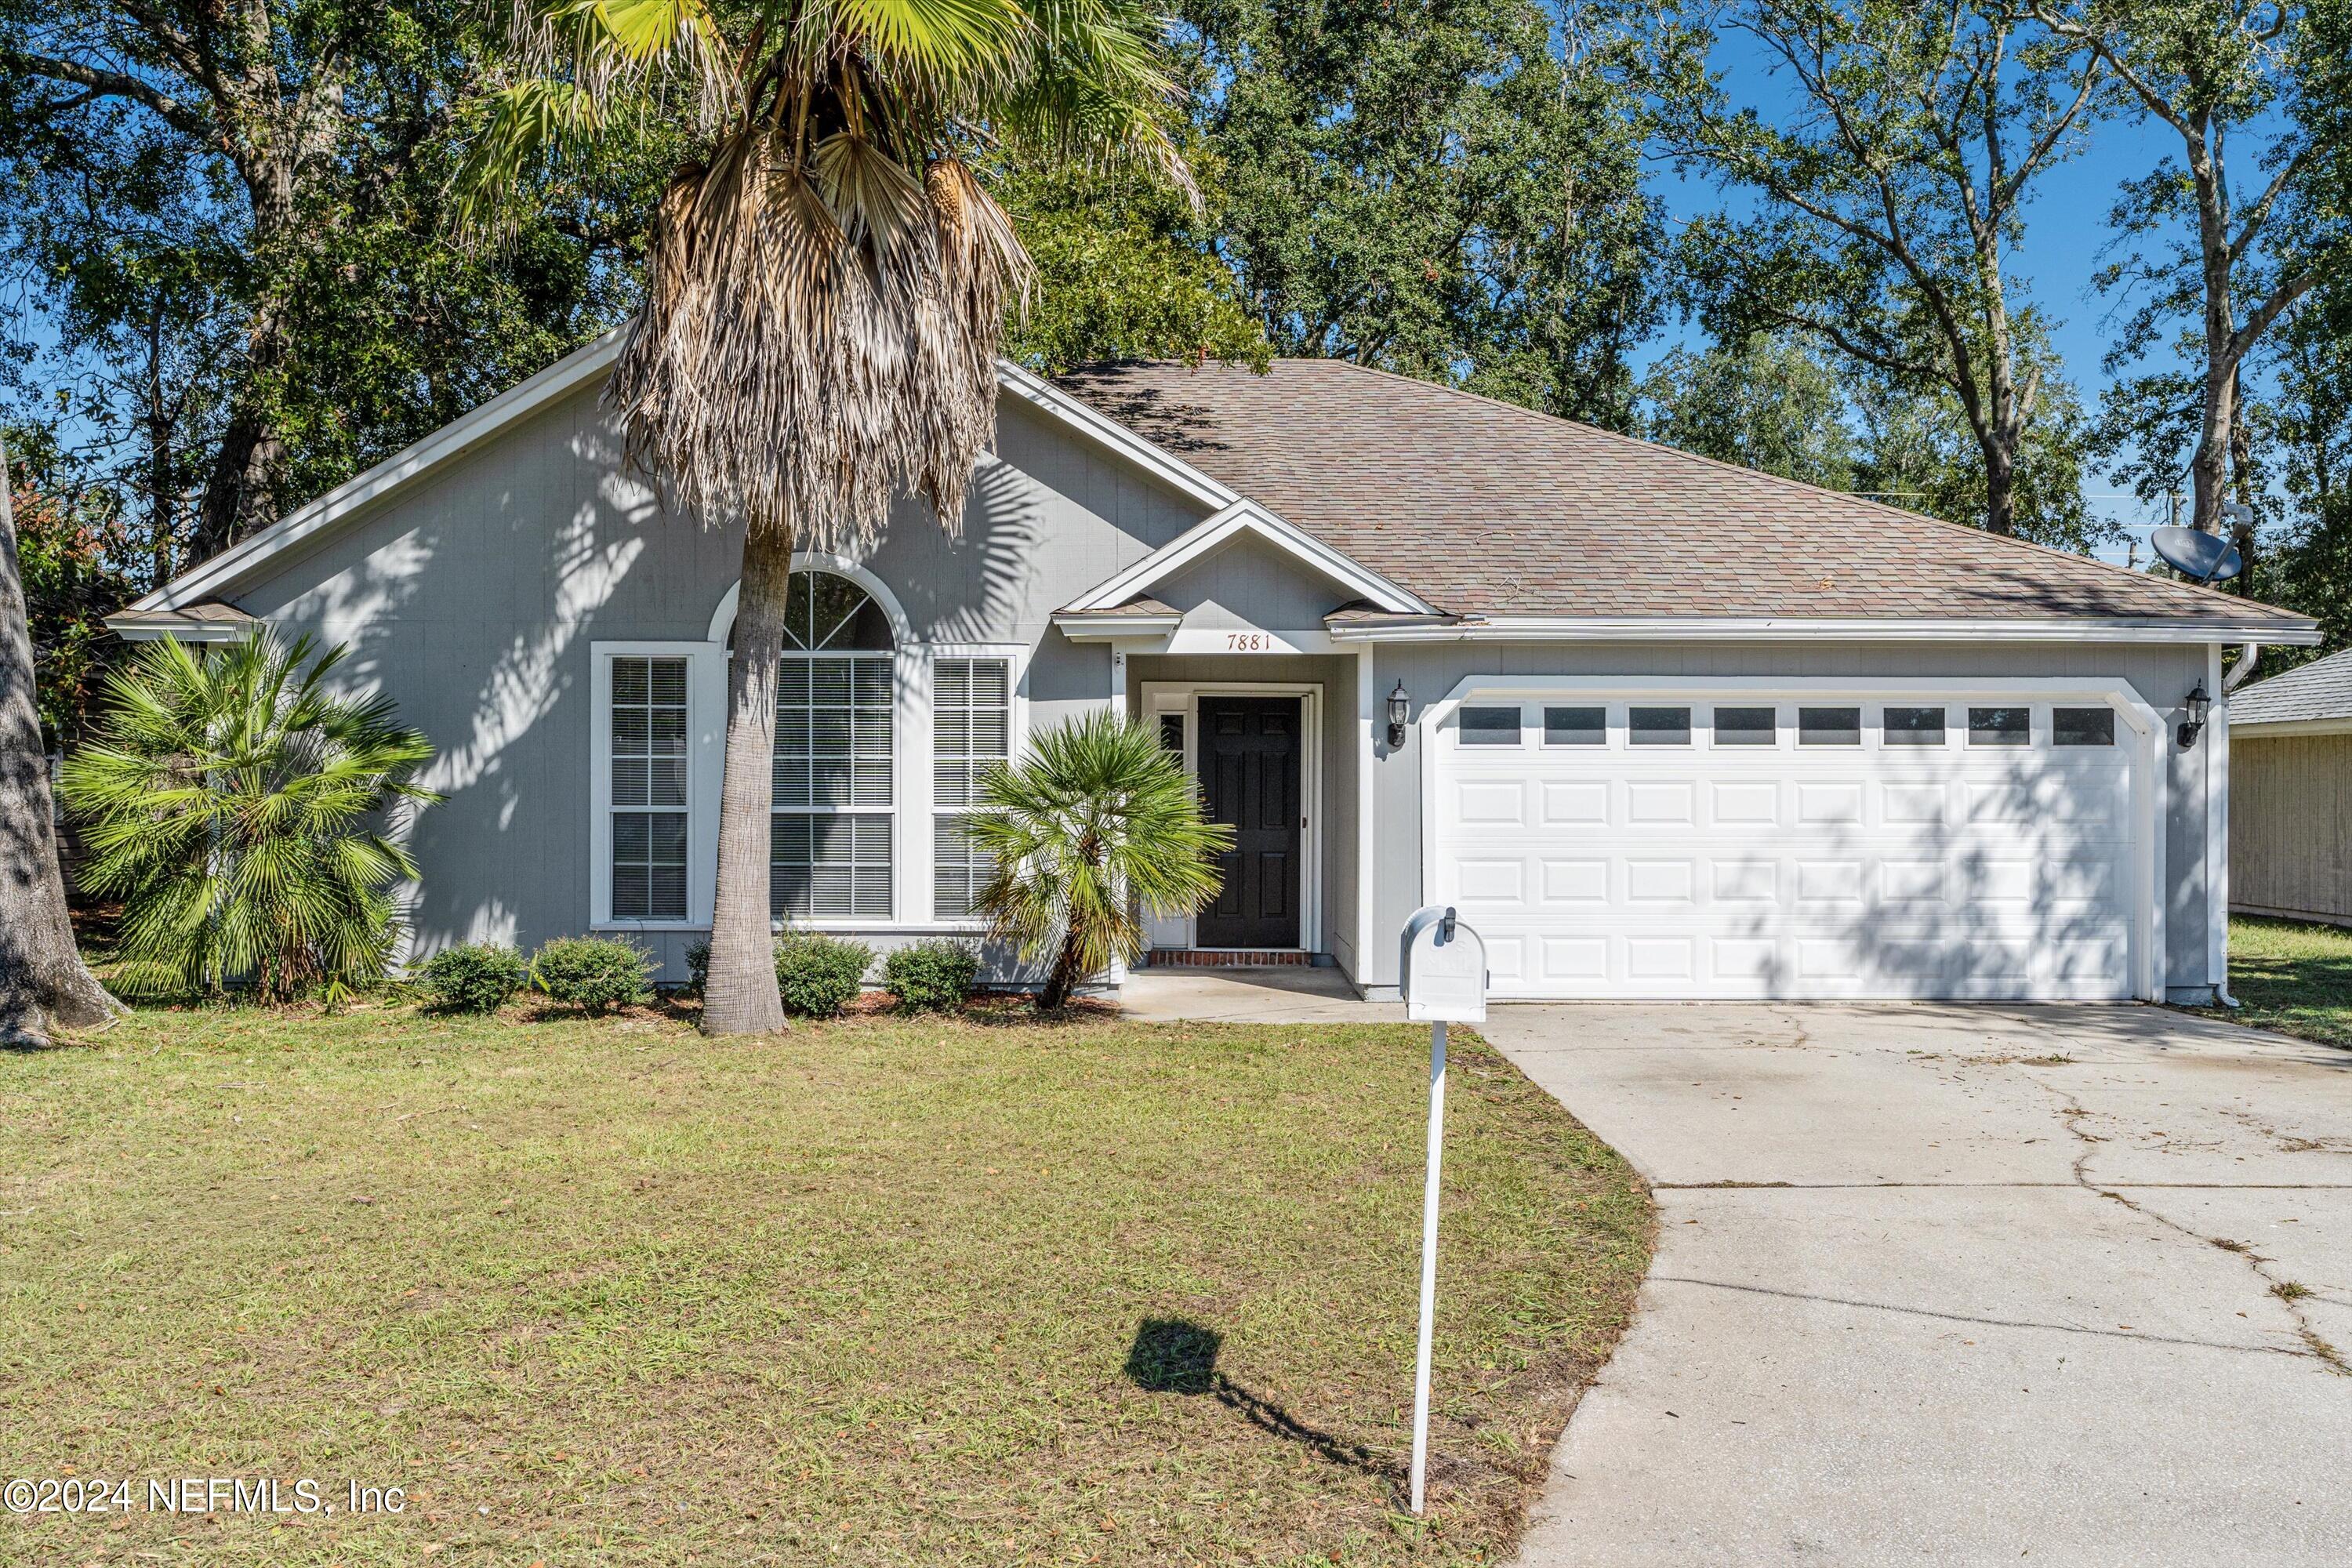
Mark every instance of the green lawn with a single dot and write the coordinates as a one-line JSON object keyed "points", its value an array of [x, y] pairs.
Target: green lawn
{"points": [[2293, 977], [975, 1291]]}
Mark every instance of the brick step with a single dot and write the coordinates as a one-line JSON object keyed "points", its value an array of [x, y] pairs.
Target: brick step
{"points": [[1225, 958]]}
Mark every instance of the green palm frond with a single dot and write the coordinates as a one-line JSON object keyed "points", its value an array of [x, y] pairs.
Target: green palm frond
{"points": [[236, 804], [1097, 823]]}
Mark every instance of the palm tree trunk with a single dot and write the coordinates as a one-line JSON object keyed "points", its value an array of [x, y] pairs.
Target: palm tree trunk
{"points": [[741, 995], [42, 978], [1064, 978]]}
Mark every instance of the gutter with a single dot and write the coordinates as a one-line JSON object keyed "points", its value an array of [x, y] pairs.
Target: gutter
{"points": [[1790, 628]]}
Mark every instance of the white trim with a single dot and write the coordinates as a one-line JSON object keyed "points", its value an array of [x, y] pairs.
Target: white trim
{"points": [[1144, 628], [722, 616], [1089, 422], [1017, 720], [1184, 697], [155, 626], [2263, 729], [2215, 742], [461, 435], [1246, 515], [706, 746], [1368, 756], [1856, 628], [2152, 736]]}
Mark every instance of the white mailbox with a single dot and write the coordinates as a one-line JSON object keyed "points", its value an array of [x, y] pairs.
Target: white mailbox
{"points": [[1442, 969]]}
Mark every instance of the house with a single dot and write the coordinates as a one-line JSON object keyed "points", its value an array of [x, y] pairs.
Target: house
{"points": [[2291, 793], [1658, 727]]}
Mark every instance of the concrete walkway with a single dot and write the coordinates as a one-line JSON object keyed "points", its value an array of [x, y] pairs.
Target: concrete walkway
{"points": [[1963, 1285], [1276, 994]]}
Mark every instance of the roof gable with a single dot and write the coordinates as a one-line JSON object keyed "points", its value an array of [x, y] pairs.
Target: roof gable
{"points": [[237, 566], [1242, 518]]}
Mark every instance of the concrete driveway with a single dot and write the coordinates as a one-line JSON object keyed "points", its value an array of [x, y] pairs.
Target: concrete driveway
{"points": [[1963, 1285]]}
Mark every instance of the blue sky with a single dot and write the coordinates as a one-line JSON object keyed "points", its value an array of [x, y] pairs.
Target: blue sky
{"points": [[2066, 236]]}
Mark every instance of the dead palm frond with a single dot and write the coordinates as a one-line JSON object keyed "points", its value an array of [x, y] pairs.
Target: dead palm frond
{"points": [[828, 282]]}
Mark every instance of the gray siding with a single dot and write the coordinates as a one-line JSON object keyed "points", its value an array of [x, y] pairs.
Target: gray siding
{"points": [[472, 598], [2161, 673]]}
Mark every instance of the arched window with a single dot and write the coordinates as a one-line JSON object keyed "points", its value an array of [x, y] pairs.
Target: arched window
{"points": [[829, 842]]}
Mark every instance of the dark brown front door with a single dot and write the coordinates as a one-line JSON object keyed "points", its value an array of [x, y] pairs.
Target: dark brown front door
{"points": [[1249, 771]]}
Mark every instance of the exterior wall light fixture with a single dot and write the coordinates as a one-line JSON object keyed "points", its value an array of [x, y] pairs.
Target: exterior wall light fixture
{"points": [[1400, 709], [2196, 706]]}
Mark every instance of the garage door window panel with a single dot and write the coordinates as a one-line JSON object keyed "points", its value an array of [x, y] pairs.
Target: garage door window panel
{"points": [[1828, 726], [1658, 726], [1913, 727], [2083, 727], [1747, 727], [2000, 726], [1576, 727], [1490, 726]]}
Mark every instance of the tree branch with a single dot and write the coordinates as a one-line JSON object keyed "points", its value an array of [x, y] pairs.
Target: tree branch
{"points": [[120, 84]]}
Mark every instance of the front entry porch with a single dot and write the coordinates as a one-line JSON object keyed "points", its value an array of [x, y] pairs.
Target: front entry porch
{"points": [[1259, 736]]}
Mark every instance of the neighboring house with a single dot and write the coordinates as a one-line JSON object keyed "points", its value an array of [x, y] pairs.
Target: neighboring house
{"points": [[1657, 726], [2291, 793]]}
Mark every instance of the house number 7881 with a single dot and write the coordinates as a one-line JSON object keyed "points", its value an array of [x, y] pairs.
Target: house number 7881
{"points": [[1250, 642]]}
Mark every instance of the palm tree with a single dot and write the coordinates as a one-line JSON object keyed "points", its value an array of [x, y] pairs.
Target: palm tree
{"points": [[826, 286], [1097, 821], [236, 807]]}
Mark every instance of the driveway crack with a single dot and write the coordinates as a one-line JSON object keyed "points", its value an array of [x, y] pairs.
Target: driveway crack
{"points": [[2286, 1293]]}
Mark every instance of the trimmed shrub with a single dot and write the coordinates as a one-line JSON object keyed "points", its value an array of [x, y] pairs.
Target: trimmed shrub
{"points": [[819, 974], [697, 968], [929, 977], [592, 974], [479, 977]]}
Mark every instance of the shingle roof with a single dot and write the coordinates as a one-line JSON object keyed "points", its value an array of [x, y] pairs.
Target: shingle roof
{"points": [[2320, 689], [1486, 508]]}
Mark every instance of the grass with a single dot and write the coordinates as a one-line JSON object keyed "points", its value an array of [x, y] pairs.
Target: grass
{"points": [[882, 1291], [2293, 977]]}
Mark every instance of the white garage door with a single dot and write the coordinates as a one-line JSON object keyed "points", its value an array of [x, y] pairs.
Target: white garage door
{"points": [[1826, 846]]}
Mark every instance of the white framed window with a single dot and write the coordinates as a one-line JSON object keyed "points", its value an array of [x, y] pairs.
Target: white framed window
{"points": [[831, 838], [971, 730], [656, 747]]}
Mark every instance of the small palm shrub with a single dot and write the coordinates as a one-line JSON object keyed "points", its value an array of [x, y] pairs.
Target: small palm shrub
{"points": [[1096, 822], [931, 976], [594, 975], [477, 977], [819, 974], [237, 807]]}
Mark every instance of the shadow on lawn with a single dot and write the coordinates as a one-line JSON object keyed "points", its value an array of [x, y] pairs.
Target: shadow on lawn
{"points": [[1175, 1356]]}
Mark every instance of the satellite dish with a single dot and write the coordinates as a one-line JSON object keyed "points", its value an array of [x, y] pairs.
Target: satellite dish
{"points": [[2196, 555]]}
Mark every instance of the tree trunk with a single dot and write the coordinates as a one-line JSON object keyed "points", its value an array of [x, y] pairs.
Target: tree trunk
{"points": [[1063, 978], [741, 996], [2000, 489], [2209, 467], [241, 493], [42, 978]]}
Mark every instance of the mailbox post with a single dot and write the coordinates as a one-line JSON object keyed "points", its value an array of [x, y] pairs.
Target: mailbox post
{"points": [[1441, 970]]}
